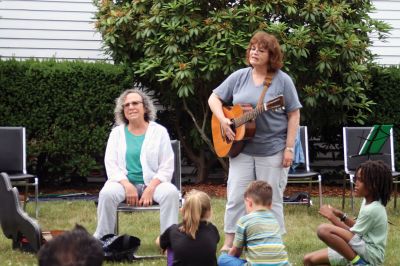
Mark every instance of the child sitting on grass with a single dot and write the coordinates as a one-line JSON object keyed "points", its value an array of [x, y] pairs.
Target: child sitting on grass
{"points": [[194, 241], [258, 232], [360, 242]]}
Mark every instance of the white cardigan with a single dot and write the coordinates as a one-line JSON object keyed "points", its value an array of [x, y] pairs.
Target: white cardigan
{"points": [[156, 157]]}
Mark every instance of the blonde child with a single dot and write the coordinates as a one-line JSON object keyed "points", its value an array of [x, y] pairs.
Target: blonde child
{"points": [[194, 241], [258, 232], [361, 241]]}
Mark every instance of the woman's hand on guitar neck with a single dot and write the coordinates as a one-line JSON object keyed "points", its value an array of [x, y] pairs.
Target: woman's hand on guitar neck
{"points": [[226, 128]]}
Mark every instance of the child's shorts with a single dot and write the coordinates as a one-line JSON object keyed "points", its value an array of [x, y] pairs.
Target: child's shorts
{"points": [[356, 243]]}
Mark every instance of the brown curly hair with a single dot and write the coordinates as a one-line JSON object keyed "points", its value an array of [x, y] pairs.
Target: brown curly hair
{"points": [[270, 43]]}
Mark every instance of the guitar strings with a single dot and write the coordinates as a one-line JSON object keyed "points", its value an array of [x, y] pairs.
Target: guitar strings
{"points": [[237, 122], [248, 116]]}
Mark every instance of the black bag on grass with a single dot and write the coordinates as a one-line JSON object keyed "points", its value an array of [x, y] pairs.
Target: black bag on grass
{"points": [[120, 248], [298, 197]]}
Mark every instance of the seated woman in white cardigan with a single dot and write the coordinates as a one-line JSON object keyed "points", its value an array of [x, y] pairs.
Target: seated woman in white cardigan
{"points": [[139, 162]]}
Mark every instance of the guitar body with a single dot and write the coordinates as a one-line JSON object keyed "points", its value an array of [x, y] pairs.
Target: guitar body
{"points": [[223, 146], [243, 124]]}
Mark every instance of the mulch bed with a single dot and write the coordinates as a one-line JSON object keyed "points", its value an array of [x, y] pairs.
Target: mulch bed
{"points": [[220, 190], [212, 189]]}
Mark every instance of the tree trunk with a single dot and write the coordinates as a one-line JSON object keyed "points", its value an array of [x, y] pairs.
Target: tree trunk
{"points": [[202, 132], [199, 160]]}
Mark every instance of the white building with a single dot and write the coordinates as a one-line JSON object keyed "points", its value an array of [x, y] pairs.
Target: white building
{"points": [[388, 53], [64, 29]]}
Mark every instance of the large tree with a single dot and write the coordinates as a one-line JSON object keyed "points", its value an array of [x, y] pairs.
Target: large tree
{"points": [[182, 49]]}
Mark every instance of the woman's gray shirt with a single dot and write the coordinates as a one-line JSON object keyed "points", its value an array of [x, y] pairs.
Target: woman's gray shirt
{"points": [[271, 126]]}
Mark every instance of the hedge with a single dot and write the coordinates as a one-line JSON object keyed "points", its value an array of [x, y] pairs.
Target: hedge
{"points": [[385, 92], [67, 109]]}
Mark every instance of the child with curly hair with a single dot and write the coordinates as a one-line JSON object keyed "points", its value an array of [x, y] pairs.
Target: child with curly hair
{"points": [[361, 241]]}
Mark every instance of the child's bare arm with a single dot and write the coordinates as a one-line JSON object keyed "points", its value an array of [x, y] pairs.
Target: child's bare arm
{"points": [[344, 219], [336, 217], [235, 251], [158, 241], [162, 251]]}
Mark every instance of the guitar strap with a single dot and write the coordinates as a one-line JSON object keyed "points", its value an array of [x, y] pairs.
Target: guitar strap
{"points": [[267, 82]]}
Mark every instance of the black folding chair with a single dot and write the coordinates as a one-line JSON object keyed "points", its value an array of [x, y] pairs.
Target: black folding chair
{"points": [[302, 173], [353, 140], [13, 161]]}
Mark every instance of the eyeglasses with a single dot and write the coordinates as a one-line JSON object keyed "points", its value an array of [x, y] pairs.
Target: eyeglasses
{"points": [[134, 104]]}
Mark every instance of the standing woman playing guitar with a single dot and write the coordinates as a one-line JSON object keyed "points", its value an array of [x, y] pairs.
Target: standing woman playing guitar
{"points": [[268, 155]]}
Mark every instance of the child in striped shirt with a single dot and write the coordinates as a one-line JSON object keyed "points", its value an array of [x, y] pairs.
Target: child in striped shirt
{"points": [[257, 233]]}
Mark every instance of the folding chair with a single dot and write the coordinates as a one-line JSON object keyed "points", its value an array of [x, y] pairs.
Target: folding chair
{"points": [[354, 139], [176, 180], [302, 173], [13, 161]]}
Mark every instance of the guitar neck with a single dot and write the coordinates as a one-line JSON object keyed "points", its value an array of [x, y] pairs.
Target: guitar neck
{"points": [[246, 117], [276, 103]]}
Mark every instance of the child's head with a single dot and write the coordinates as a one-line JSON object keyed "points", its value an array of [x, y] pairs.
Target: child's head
{"points": [[260, 193], [377, 180], [197, 207]]}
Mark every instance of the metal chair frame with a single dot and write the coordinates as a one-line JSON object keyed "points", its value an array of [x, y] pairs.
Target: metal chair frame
{"points": [[176, 180], [13, 161], [303, 174]]}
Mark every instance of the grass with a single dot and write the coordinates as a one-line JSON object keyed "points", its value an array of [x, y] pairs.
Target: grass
{"points": [[301, 223]]}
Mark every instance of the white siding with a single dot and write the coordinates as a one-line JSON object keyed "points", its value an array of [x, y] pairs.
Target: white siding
{"points": [[65, 29], [388, 52], [62, 29]]}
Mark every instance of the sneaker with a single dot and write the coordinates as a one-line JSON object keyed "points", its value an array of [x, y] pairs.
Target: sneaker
{"points": [[360, 262]]}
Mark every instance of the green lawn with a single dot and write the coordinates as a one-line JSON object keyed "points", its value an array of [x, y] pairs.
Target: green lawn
{"points": [[301, 225]]}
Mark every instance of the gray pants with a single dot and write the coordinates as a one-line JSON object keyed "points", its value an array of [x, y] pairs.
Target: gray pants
{"points": [[359, 247], [244, 169], [113, 193]]}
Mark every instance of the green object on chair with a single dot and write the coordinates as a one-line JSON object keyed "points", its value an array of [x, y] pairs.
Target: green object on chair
{"points": [[376, 139]]}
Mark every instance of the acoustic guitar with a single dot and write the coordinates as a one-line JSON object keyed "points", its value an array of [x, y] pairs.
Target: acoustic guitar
{"points": [[243, 124]]}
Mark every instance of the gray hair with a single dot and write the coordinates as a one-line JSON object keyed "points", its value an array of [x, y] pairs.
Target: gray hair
{"points": [[149, 109]]}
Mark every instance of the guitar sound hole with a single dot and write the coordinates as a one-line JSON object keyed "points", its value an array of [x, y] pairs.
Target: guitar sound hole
{"points": [[233, 127]]}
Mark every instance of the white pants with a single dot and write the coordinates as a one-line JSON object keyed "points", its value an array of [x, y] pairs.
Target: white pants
{"points": [[113, 193], [244, 169]]}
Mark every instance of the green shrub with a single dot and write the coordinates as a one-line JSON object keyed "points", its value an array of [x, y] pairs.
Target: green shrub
{"points": [[67, 109], [386, 95], [185, 48]]}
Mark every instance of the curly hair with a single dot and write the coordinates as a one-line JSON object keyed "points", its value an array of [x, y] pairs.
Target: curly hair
{"points": [[377, 178], [149, 109], [270, 43]]}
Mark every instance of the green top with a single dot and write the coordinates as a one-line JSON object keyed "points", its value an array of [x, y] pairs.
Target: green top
{"points": [[372, 226], [133, 148]]}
